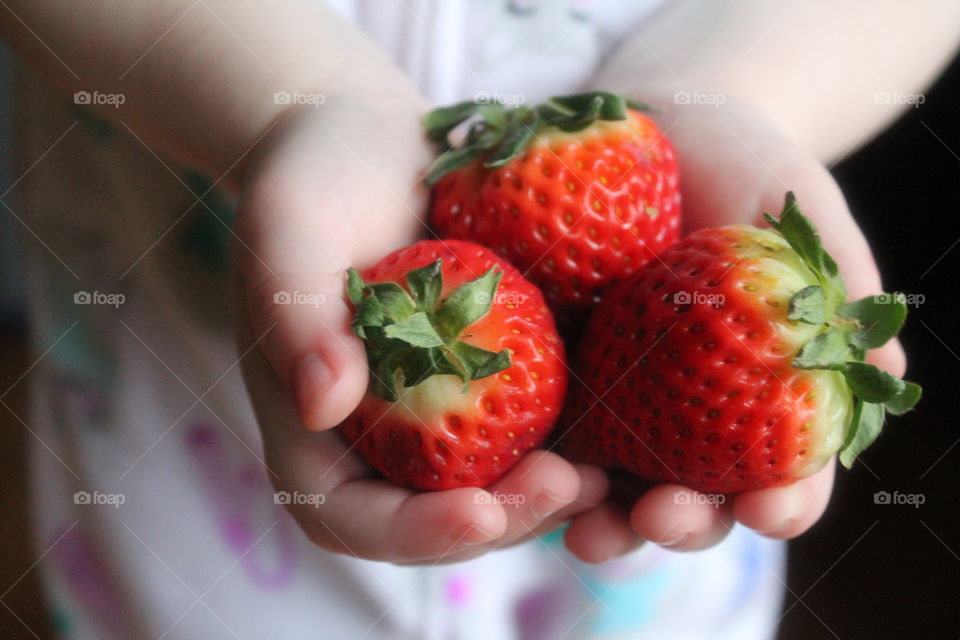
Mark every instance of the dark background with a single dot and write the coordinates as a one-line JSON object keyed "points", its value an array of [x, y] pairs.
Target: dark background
{"points": [[893, 571], [866, 570]]}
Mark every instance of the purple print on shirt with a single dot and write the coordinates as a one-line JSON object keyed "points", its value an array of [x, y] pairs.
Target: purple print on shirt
{"points": [[88, 578], [241, 500]]}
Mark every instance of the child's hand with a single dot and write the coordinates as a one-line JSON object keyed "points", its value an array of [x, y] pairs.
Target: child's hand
{"points": [[734, 165], [332, 188]]}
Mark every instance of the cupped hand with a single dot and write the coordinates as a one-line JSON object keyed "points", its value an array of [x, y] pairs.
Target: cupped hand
{"points": [[334, 187], [735, 164]]}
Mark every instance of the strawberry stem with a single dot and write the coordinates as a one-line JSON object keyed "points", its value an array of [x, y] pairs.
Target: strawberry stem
{"points": [[500, 133], [410, 334], [849, 331]]}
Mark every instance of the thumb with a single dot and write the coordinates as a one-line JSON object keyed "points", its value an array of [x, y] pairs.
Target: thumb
{"points": [[303, 323], [291, 261]]}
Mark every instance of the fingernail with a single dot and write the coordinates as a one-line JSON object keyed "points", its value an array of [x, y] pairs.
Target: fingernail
{"points": [[780, 527], [472, 535], [792, 504], [311, 376], [547, 503], [673, 542]]}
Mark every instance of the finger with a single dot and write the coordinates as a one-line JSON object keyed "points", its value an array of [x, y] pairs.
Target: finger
{"points": [[394, 524], [681, 519], [398, 525], [600, 534], [292, 283], [594, 487], [539, 485], [786, 512], [890, 357], [296, 237]]}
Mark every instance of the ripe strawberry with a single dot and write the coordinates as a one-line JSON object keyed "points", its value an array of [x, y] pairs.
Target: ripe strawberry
{"points": [[467, 372], [576, 193], [734, 363]]}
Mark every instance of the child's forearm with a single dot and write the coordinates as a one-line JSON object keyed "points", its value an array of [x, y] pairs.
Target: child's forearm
{"points": [[199, 79], [828, 73]]}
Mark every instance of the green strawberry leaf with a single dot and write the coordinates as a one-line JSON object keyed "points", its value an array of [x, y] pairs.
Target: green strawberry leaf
{"points": [[354, 286], [828, 350], [574, 108], [800, 233], [864, 428], [850, 330], [468, 303], [409, 338], [830, 266], [480, 363], [514, 141], [905, 400], [872, 384], [808, 305], [441, 121], [383, 376], [501, 133], [419, 364], [448, 161], [395, 302], [426, 283], [415, 330], [880, 319]]}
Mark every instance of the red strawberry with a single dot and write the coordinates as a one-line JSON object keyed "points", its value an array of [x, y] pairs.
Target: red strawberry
{"points": [[467, 372], [576, 193], [734, 363]]}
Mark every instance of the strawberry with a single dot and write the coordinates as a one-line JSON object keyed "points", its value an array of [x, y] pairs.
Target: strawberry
{"points": [[734, 363], [577, 192], [467, 373]]}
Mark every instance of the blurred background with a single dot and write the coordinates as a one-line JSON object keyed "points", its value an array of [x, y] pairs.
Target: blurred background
{"points": [[868, 569]]}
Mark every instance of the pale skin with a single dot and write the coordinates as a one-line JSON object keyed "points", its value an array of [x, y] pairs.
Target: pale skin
{"points": [[337, 186]]}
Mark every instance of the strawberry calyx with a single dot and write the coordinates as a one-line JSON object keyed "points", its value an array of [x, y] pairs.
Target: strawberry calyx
{"points": [[411, 334], [501, 133], [848, 331]]}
